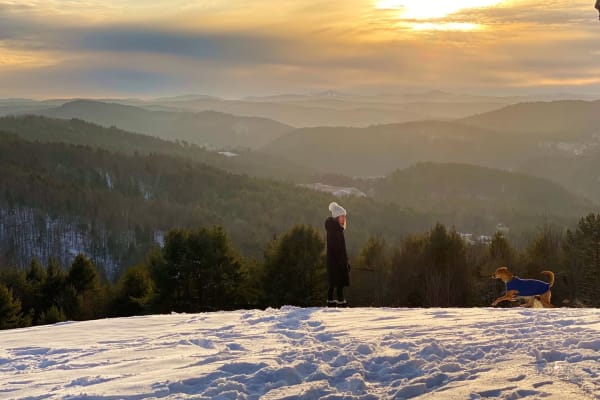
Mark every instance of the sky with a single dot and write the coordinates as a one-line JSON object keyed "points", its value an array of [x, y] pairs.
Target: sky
{"points": [[235, 48]]}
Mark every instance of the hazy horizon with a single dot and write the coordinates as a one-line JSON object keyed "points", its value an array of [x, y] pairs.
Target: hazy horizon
{"points": [[525, 95], [234, 49]]}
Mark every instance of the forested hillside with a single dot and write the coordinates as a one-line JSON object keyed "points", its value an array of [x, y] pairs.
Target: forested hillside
{"points": [[469, 189], [381, 149], [559, 141], [567, 117], [114, 203], [125, 200], [79, 132]]}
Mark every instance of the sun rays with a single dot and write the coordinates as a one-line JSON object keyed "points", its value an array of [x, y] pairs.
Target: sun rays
{"points": [[431, 15]]}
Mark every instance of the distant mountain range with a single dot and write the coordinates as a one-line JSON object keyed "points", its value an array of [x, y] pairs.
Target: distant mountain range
{"points": [[64, 173], [554, 140], [207, 128], [329, 108], [444, 190], [557, 140], [79, 132]]}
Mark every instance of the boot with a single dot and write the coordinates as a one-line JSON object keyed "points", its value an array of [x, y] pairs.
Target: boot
{"points": [[342, 303]]}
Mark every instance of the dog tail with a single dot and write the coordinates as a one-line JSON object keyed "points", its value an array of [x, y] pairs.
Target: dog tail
{"points": [[551, 275]]}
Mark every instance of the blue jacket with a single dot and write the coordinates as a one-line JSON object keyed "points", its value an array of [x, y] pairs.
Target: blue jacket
{"points": [[527, 287]]}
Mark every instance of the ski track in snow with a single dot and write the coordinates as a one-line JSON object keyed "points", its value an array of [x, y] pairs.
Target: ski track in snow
{"points": [[313, 353]]}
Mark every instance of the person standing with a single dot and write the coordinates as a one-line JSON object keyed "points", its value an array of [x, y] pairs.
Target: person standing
{"points": [[338, 269]]}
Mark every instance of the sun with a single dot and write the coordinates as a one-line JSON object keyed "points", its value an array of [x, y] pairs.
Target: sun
{"points": [[432, 9]]}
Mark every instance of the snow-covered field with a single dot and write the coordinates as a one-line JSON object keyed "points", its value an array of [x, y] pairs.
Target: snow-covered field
{"points": [[310, 354]]}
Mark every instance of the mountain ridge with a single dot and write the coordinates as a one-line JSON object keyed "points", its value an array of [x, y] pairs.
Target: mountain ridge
{"points": [[213, 129]]}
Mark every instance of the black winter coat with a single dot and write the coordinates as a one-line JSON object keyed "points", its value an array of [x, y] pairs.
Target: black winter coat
{"points": [[337, 258]]}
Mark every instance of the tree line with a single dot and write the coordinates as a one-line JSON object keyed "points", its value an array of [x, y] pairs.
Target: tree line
{"points": [[200, 270]]}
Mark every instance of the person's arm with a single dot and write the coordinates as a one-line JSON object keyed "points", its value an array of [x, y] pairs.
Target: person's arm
{"points": [[338, 248], [343, 252]]}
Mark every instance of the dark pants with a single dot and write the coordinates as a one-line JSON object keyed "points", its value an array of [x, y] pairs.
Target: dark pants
{"points": [[339, 290]]}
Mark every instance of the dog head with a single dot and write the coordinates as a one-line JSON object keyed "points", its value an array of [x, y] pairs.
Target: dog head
{"points": [[502, 273]]}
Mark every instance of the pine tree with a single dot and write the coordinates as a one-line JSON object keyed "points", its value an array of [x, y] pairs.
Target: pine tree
{"points": [[446, 278], [407, 268], [500, 251], [375, 268], [82, 292], [36, 275], [83, 275], [52, 316], [10, 309], [197, 270], [294, 269], [53, 289], [582, 249], [135, 291], [544, 252], [34, 302]]}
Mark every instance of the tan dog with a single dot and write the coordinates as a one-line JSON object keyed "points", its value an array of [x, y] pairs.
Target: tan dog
{"points": [[528, 288]]}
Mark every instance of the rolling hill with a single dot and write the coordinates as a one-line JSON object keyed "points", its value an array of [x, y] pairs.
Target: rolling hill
{"points": [[380, 149], [568, 131], [207, 128], [432, 178], [462, 189], [340, 109], [580, 173], [303, 114], [78, 132], [557, 140], [568, 118]]}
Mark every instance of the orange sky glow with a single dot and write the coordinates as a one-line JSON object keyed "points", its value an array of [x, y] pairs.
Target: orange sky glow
{"points": [[241, 47]]}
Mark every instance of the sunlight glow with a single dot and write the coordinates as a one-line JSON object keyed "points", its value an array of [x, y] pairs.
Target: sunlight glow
{"points": [[446, 26], [432, 9], [13, 59]]}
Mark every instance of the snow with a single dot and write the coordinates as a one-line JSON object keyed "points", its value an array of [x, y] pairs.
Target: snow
{"points": [[228, 154], [109, 182], [337, 191], [312, 353], [33, 233], [159, 238]]}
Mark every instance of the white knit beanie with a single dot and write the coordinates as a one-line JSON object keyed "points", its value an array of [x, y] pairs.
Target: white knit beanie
{"points": [[336, 210]]}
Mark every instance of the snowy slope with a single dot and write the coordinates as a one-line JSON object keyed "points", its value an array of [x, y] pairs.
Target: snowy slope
{"points": [[311, 353]]}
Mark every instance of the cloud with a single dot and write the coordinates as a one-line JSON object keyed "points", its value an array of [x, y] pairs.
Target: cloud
{"points": [[236, 48], [240, 47], [94, 76]]}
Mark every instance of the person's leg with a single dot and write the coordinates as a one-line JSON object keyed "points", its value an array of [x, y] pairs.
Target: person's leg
{"points": [[340, 293], [330, 301]]}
